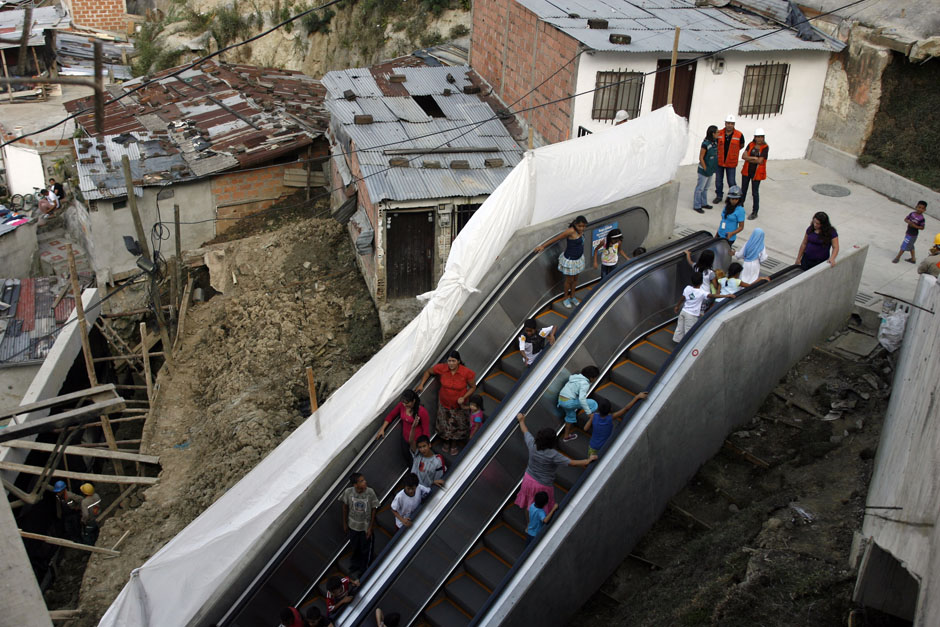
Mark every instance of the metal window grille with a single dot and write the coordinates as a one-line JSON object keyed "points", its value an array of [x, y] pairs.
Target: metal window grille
{"points": [[765, 86], [583, 131], [615, 91]]}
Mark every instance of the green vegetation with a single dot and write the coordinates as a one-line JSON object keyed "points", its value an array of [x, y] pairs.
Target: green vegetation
{"points": [[459, 31], [907, 127], [229, 25], [317, 21]]}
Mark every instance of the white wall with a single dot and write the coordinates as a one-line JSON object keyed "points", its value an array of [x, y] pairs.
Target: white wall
{"points": [[108, 226], [24, 169], [716, 95]]}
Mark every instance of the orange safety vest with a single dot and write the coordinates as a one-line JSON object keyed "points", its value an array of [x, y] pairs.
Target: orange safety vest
{"points": [[760, 171], [734, 147]]}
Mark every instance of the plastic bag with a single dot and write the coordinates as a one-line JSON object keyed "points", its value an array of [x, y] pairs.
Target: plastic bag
{"points": [[891, 331]]}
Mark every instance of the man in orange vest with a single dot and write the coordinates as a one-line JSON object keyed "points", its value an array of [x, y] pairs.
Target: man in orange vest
{"points": [[754, 170], [730, 142]]}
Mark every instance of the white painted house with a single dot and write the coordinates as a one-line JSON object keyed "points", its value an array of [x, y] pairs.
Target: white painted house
{"points": [[771, 77]]}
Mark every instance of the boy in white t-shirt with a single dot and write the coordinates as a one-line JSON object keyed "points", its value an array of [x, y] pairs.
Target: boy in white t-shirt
{"points": [[694, 297], [407, 501]]}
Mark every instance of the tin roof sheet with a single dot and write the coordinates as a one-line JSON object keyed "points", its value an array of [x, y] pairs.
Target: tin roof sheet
{"points": [[401, 122], [651, 26], [44, 18], [24, 327]]}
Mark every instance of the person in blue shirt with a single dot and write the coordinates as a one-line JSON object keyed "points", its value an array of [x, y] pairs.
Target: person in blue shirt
{"points": [[601, 424], [732, 216], [707, 165], [574, 398], [538, 517]]}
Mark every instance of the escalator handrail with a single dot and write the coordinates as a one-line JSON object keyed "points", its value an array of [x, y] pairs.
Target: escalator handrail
{"points": [[322, 506], [611, 287], [625, 421]]}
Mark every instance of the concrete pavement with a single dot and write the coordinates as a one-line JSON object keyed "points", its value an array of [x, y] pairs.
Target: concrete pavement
{"points": [[788, 203]]}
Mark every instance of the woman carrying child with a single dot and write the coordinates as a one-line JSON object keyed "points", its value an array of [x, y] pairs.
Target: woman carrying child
{"points": [[610, 252], [571, 261], [752, 255], [544, 461], [457, 385], [533, 340]]}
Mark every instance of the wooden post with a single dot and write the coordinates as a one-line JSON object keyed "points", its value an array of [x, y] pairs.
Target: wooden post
{"points": [[179, 258], [672, 67], [312, 388], [67, 543], [132, 203], [143, 347], [531, 140], [308, 173], [6, 73], [120, 499], [171, 270], [86, 350]]}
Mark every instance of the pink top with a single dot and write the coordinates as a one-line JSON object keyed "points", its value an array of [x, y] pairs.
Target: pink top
{"points": [[408, 422]]}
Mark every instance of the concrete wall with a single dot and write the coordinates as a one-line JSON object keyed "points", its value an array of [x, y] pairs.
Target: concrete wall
{"points": [[905, 467], [14, 382], [78, 226], [19, 251], [682, 425], [894, 186], [109, 257], [714, 96], [23, 169]]}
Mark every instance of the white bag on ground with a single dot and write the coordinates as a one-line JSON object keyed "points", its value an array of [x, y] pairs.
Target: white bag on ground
{"points": [[891, 331]]}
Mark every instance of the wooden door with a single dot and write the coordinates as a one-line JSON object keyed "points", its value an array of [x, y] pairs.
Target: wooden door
{"points": [[682, 92], [409, 257]]}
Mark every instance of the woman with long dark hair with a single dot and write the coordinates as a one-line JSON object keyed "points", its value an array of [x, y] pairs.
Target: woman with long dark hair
{"points": [[707, 164], [820, 243], [457, 385], [414, 421], [571, 261]]}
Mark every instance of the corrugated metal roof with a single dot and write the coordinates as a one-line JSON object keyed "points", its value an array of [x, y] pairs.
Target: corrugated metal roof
{"points": [[651, 25], [30, 318], [467, 122], [11, 25]]}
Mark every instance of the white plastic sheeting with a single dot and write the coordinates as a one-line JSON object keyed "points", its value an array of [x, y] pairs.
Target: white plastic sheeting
{"points": [[549, 183]]}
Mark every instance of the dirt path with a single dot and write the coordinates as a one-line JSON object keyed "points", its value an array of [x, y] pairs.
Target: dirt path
{"points": [[238, 387], [776, 550]]}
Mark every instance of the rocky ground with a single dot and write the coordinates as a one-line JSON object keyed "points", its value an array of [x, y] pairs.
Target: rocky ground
{"points": [[238, 386]]}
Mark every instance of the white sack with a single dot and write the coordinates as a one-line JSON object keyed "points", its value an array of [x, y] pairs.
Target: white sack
{"points": [[891, 331], [549, 183]]}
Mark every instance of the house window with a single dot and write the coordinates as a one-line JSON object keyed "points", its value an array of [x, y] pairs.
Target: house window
{"points": [[765, 86], [119, 204], [462, 216], [615, 91]]}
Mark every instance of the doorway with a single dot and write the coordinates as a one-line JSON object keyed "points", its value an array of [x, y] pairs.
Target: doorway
{"points": [[410, 253], [682, 92]]}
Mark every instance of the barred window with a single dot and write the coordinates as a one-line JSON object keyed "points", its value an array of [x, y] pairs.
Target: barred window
{"points": [[616, 91], [765, 86]]}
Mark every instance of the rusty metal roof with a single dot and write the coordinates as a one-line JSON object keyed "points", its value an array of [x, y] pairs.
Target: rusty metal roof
{"points": [[29, 326], [215, 118]]}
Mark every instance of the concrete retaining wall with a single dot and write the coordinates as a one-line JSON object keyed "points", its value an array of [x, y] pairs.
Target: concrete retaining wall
{"points": [[906, 468], [19, 251], [717, 384], [892, 185]]}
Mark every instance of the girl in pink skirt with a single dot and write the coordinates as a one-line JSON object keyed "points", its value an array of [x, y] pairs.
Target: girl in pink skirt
{"points": [[544, 461]]}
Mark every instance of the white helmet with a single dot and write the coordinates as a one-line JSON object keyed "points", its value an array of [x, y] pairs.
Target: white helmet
{"points": [[621, 116], [759, 131], [730, 118]]}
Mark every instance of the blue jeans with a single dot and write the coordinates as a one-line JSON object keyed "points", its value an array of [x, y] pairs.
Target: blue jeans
{"points": [[755, 186], [720, 175], [700, 195], [572, 406]]}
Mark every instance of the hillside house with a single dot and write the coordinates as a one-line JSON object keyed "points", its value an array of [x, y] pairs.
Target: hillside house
{"points": [[772, 78]]}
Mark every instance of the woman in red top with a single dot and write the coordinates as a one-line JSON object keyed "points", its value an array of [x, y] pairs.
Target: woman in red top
{"points": [[411, 429], [457, 385]]}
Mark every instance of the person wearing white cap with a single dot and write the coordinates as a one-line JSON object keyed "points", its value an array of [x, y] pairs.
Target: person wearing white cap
{"points": [[620, 117], [754, 170], [730, 142]]}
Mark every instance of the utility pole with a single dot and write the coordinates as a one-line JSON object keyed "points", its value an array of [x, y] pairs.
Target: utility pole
{"points": [[672, 67]]}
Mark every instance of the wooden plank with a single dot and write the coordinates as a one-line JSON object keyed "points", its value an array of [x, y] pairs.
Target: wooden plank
{"points": [[55, 400], [797, 404], [85, 451], [120, 499], [298, 178], [184, 307], [62, 615], [688, 515], [81, 476], [67, 543], [757, 461], [79, 415], [148, 377]]}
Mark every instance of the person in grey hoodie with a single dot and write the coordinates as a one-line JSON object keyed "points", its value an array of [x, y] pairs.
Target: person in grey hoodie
{"points": [[573, 397]]}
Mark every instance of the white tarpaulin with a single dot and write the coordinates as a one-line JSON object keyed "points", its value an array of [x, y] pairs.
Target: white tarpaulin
{"points": [[550, 182]]}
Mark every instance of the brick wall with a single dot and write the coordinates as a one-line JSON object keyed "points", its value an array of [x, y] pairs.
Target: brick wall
{"points": [[240, 194], [513, 51], [110, 15]]}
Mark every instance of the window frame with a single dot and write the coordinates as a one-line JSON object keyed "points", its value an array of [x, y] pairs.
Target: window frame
{"points": [[764, 89], [604, 96]]}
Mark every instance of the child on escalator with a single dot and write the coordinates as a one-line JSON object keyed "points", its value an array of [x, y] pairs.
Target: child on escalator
{"points": [[533, 340], [601, 423], [476, 413], [610, 252], [694, 297]]}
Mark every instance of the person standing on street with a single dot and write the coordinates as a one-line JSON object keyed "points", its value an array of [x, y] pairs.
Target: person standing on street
{"points": [[707, 165], [729, 146], [754, 170]]}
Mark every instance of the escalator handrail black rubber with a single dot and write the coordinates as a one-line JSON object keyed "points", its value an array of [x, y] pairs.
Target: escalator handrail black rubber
{"points": [[320, 509], [703, 320], [622, 280]]}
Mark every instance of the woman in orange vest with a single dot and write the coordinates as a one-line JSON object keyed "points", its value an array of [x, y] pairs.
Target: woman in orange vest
{"points": [[754, 170], [729, 145]]}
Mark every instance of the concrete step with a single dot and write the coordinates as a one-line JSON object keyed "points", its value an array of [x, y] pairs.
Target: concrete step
{"points": [[445, 613], [486, 568], [468, 594], [505, 542], [631, 376], [648, 355]]}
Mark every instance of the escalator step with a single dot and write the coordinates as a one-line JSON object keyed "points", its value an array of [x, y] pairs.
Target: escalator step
{"points": [[648, 355], [618, 396], [467, 593], [446, 614], [511, 364], [382, 538], [631, 376], [576, 449], [490, 401], [567, 475], [559, 308], [499, 384], [317, 601], [486, 567], [514, 517], [386, 519], [662, 339], [551, 317], [505, 542]]}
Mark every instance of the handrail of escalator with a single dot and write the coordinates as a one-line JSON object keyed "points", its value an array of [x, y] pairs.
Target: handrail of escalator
{"points": [[320, 509], [611, 287], [747, 292]]}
